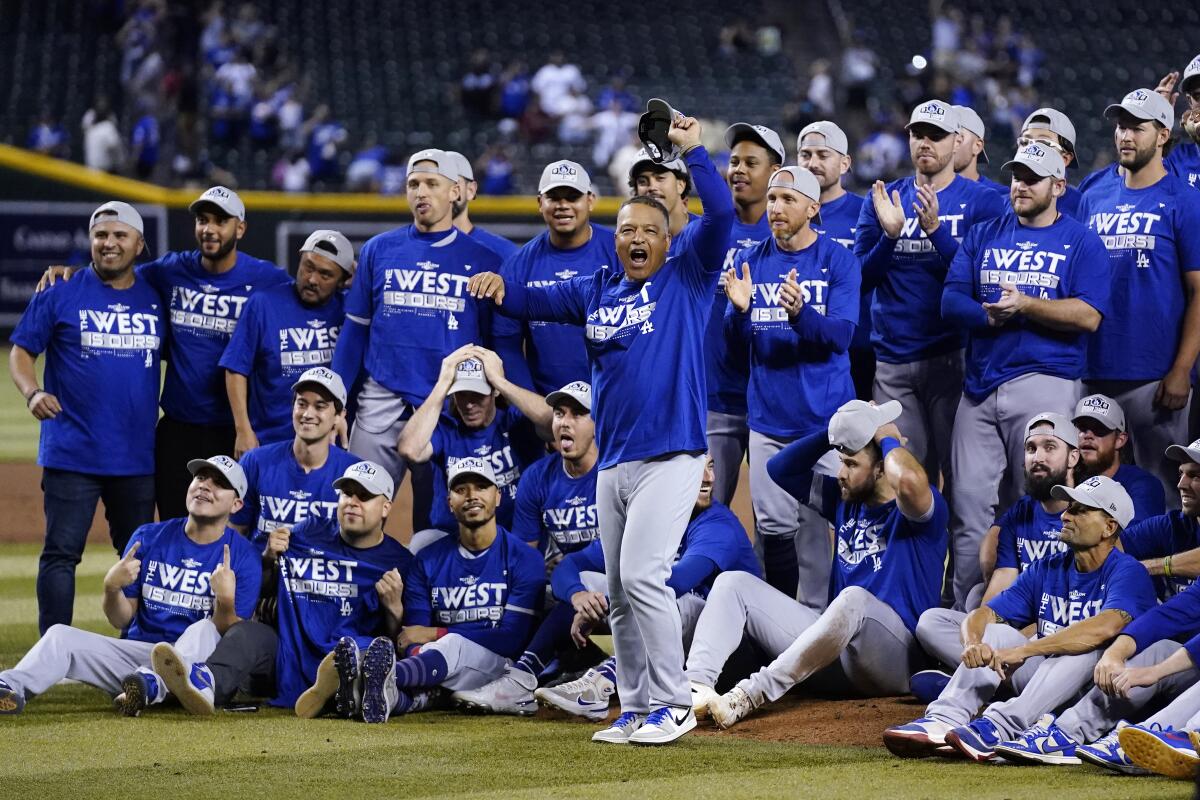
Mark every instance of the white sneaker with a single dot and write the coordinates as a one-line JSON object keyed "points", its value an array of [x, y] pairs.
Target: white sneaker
{"points": [[664, 725], [511, 693], [701, 696], [621, 729], [731, 708], [588, 696], [191, 683]]}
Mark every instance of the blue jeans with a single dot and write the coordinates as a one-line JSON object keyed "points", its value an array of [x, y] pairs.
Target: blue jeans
{"points": [[70, 503]]}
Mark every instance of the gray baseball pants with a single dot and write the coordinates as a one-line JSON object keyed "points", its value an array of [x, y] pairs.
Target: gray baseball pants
{"points": [[987, 459], [777, 513], [98, 660], [727, 444], [644, 507], [468, 665], [928, 391], [1097, 713], [377, 427], [1041, 685], [863, 634], [690, 604], [1151, 430]]}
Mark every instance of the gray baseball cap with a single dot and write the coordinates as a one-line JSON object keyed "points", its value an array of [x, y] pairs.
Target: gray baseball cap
{"points": [[1060, 427], [1181, 453], [480, 467], [643, 160], [565, 173], [968, 120], [223, 198], [1144, 104], [936, 113], [444, 163], [798, 179], [326, 378], [1191, 75], [577, 391], [1103, 409], [1042, 159], [462, 165], [1100, 492], [229, 469], [1056, 122], [116, 211], [370, 476], [835, 137], [333, 245], [759, 133], [852, 427], [469, 377]]}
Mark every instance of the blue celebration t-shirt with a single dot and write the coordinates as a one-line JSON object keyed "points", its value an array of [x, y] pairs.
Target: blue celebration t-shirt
{"points": [[1060, 261], [493, 241], [1153, 238], [1055, 595], [907, 273], [103, 348], [1184, 163], [554, 507], [204, 308], [276, 341], [839, 221], [1146, 491], [1161, 536], [556, 351], [280, 493], [326, 590], [1027, 533], [173, 586]]}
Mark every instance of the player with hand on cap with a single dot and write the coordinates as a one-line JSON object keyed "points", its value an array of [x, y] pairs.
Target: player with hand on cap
{"points": [[907, 236], [102, 334], [1027, 288], [890, 528], [509, 438], [184, 580], [1149, 220], [451, 638], [645, 329], [972, 149], [571, 245], [823, 149], [288, 482], [1184, 158], [1053, 128], [756, 152], [468, 187], [1079, 600], [1100, 421], [285, 330], [407, 309], [794, 306]]}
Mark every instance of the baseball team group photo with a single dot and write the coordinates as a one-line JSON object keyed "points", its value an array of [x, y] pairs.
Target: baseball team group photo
{"points": [[495, 400]]}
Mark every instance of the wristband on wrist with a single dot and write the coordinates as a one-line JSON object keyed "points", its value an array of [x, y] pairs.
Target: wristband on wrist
{"points": [[888, 444], [32, 393], [1167, 567]]}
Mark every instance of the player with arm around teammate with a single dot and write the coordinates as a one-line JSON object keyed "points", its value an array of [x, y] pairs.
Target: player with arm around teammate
{"points": [[890, 525], [185, 581]]}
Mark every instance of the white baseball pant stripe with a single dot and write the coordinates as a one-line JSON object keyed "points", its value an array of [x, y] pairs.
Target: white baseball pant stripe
{"points": [[727, 444], [377, 426], [1097, 713], [987, 459], [644, 508], [98, 660], [864, 635], [1151, 430], [928, 392]]}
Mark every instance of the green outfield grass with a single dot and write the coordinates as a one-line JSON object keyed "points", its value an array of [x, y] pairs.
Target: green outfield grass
{"points": [[70, 743]]}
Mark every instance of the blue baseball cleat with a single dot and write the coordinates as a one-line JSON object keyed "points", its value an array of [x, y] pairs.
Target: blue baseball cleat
{"points": [[11, 701], [1167, 752], [927, 685], [138, 690], [920, 738], [1044, 743], [976, 740], [380, 692]]}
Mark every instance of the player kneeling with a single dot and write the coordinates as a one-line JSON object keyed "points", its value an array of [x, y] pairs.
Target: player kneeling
{"points": [[469, 607], [186, 580], [891, 543]]}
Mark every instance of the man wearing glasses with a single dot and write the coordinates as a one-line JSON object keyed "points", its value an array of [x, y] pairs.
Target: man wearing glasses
{"points": [[1053, 128]]}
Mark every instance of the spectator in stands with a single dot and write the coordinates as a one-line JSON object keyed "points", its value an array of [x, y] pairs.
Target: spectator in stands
{"points": [[881, 152], [102, 145], [616, 91], [535, 124], [292, 173], [734, 39], [514, 90], [554, 81], [858, 74], [264, 120], [237, 78], [247, 29], [575, 113], [477, 89], [144, 142], [324, 136], [820, 87], [612, 127], [48, 136], [946, 34], [365, 173], [497, 171], [291, 120]]}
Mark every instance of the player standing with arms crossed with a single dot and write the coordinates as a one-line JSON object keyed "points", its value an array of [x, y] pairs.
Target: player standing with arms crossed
{"points": [[645, 329]]}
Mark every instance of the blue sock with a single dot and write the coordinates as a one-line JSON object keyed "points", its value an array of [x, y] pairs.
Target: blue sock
{"points": [[780, 566], [552, 635], [422, 670], [403, 703]]}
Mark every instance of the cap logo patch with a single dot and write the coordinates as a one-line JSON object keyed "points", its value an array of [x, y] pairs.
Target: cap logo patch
{"points": [[1139, 96], [564, 171], [1096, 404], [1092, 483], [932, 110], [217, 191], [363, 469]]}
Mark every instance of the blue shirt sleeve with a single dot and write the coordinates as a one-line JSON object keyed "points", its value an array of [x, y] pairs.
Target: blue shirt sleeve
{"points": [[872, 247], [1178, 618], [689, 572], [565, 301], [35, 329], [1018, 604], [565, 580], [527, 511], [709, 243], [418, 609], [1129, 588], [792, 470], [1006, 542], [248, 514], [1187, 232]]}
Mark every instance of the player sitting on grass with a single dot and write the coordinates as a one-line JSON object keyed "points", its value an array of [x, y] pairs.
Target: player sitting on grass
{"points": [[506, 437], [469, 606], [332, 578], [714, 542], [890, 528], [186, 580], [1079, 600]]}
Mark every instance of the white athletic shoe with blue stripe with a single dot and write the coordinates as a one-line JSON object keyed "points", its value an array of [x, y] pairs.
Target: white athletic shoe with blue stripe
{"points": [[1107, 752], [664, 725], [1044, 743], [621, 729]]}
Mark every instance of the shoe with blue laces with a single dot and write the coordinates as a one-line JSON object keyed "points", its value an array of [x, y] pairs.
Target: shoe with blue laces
{"points": [[976, 740], [621, 729], [664, 725], [1044, 743]]}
